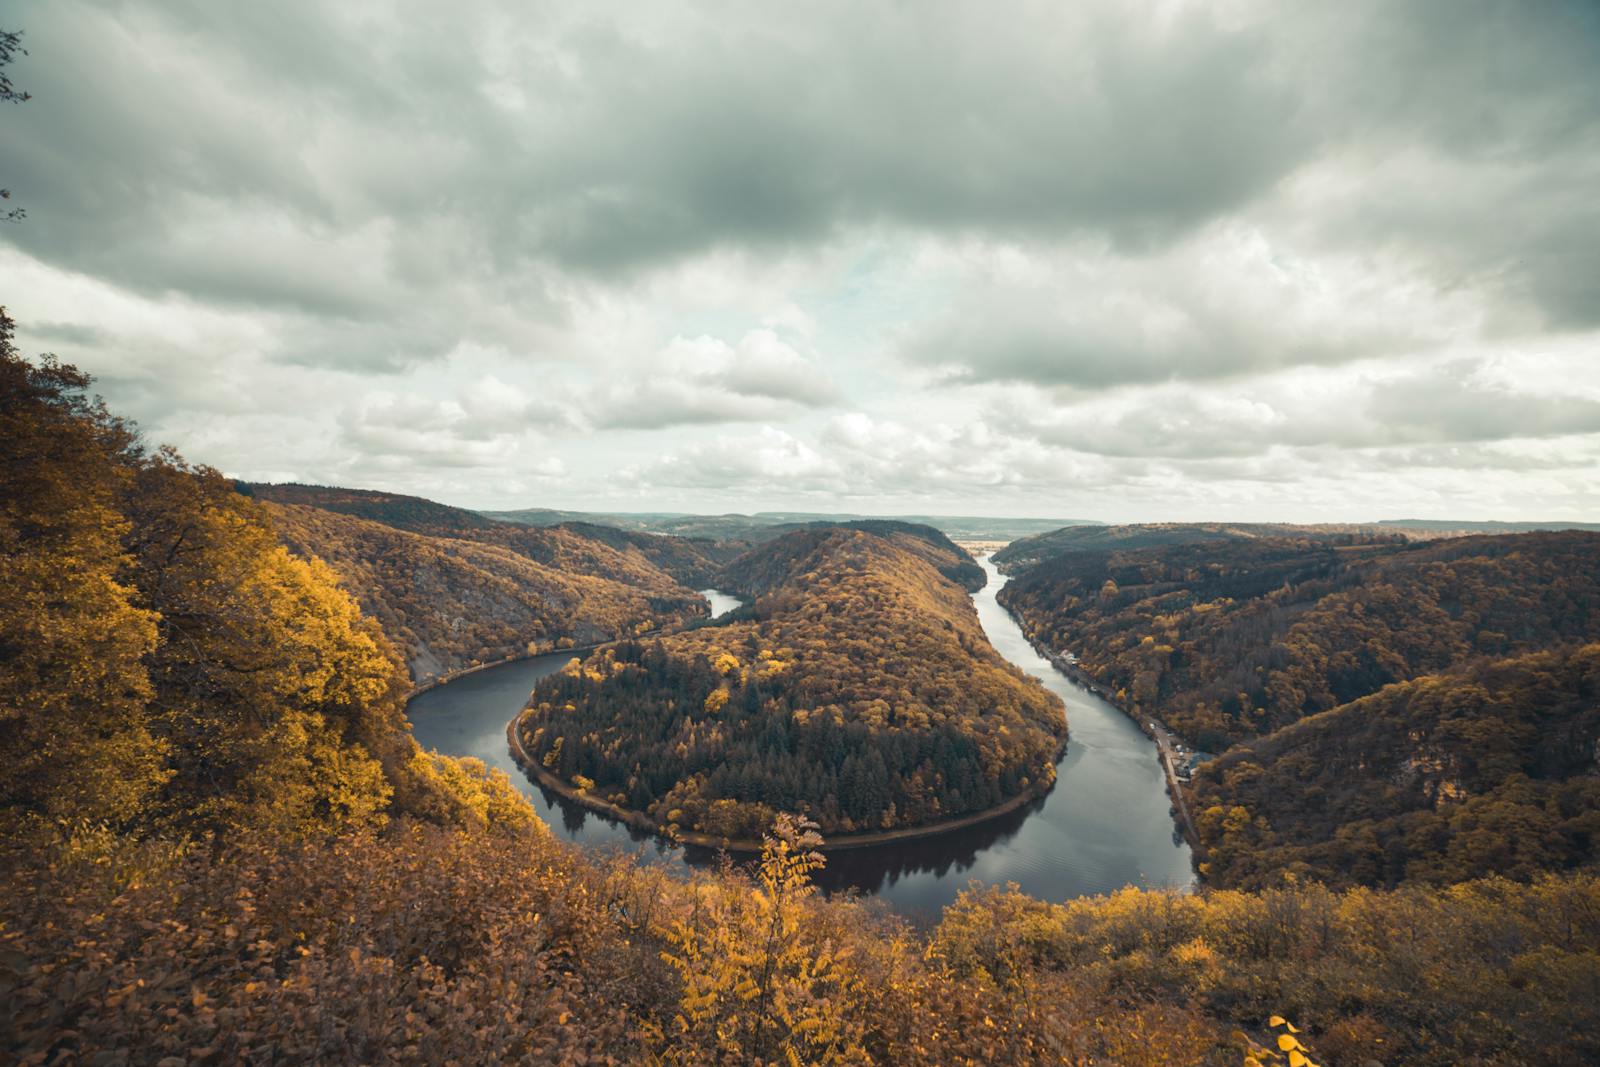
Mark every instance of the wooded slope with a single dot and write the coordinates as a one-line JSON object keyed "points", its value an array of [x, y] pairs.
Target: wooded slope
{"points": [[862, 690], [455, 589], [167, 667], [1490, 769], [1027, 551], [760, 569], [577, 548], [452, 602], [1231, 640]]}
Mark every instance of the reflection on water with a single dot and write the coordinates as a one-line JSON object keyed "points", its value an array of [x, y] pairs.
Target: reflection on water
{"points": [[1106, 824]]}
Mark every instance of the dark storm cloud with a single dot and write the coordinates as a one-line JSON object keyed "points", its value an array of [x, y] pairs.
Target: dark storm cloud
{"points": [[1455, 146], [1471, 131], [610, 144], [321, 136]]}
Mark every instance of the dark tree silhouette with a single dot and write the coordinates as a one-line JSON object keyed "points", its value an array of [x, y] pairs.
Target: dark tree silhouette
{"points": [[10, 49]]}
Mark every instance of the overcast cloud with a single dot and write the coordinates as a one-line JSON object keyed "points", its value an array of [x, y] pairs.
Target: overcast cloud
{"points": [[1112, 260]]}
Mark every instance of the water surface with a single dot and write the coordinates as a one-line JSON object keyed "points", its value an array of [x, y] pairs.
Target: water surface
{"points": [[1106, 824]]}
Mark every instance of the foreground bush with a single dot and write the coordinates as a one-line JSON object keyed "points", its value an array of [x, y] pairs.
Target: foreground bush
{"points": [[427, 944]]}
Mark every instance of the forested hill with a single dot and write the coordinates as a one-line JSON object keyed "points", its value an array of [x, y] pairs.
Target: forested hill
{"points": [[413, 513], [862, 691], [1027, 551], [456, 589], [1230, 640], [578, 548], [694, 561], [773, 562], [1490, 769], [455, 602]]}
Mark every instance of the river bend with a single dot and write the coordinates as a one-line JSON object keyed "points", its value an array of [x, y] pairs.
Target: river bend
{"points": [[1106, 824]]}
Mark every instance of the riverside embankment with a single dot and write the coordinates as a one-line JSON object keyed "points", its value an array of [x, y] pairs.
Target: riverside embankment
{"points": [[1165, 740], [835, 843]]}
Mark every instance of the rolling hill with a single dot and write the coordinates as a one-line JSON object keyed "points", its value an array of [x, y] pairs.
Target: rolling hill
{"points": [[1228, 640], [456, 590], [1488, 769], [859, 688]]}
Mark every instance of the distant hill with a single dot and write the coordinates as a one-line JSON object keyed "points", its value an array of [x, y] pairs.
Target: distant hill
{"points": [[392, 509], [767, 524], [453, 602], [1462, 527], [1031, 550], [1085, 537], [582, 548], [774, 561]]}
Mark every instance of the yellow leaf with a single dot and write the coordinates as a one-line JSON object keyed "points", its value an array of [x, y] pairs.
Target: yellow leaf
{"points": [[1298, 1059], [1276, 1020], [1286, 1043]]}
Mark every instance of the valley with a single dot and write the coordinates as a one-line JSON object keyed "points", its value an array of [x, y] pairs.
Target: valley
{"points": [[1104, 824], [230, 829]]}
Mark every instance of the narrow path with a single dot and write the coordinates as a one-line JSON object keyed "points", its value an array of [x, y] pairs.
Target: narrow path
{"points": [[1169, 763]]}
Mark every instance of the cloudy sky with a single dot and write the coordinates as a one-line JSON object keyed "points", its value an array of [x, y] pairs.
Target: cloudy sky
{"points": [[1102, 260]]}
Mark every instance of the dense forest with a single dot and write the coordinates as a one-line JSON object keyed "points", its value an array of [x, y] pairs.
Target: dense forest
{"points": [[756, 573], [455, 589], [1231, 640], [859, 689], [219, 844], [1490, 769], [1027, 551]]}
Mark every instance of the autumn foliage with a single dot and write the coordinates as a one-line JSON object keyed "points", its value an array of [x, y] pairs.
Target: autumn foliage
{"points": [[169, 667], [859, 689], [455, 590], [219, 843], [1489, 769], [1231, 640]]}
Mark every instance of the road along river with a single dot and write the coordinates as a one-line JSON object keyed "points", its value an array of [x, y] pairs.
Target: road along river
{"points": [[1106, 824]]}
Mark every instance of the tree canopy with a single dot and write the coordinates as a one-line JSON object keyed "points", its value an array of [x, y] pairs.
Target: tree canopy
{"points": [[859, 689]]}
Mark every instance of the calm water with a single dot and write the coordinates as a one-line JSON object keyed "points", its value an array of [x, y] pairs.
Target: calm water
{"points": [[1106, 824]]}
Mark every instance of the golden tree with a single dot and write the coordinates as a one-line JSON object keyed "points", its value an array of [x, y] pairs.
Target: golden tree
{"points": [[756, 989]]}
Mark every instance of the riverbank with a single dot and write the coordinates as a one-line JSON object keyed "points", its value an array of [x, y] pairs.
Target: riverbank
{"points": [[836, 843], [1161, 736], [446, 679]]}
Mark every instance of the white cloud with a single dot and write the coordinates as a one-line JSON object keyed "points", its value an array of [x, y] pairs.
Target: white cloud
{"points": [[706, 380], [1071, 259]]}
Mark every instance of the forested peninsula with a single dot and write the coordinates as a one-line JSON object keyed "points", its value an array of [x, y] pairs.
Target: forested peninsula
{"points": [[858, 689]]}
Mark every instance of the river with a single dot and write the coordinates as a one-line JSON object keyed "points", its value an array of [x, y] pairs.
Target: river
{"points": [[1106, 824]]}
